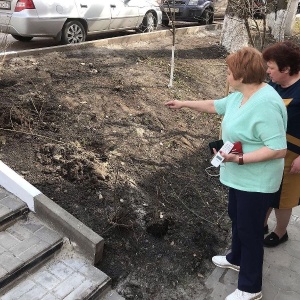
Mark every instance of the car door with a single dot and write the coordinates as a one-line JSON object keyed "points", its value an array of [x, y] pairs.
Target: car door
{"points": [[124, 14], [97, 14]]}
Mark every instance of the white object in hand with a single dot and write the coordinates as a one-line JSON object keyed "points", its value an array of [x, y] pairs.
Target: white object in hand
{"points": [[218, 158]]}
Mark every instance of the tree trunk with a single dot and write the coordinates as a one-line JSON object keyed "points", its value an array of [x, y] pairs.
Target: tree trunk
{"points": [[290, 17], [281, 18], [234, 34]]}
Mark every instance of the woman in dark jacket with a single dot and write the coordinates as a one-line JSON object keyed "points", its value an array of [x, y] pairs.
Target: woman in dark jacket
{"points": [[283, 61]]}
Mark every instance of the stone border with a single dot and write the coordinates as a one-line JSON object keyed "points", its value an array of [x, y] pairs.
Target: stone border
{"points": [[134, 38], [17, 185], [89, 243]]}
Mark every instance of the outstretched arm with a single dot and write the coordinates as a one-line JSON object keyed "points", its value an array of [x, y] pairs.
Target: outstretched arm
{"points": [[201, 105]]}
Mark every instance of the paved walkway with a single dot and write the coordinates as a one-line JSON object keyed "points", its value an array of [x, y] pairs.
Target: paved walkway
{"points": [[68, 276], [37, 262], [281, 274]]}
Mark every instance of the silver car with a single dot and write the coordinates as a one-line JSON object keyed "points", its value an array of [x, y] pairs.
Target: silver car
{"points": [[70, 21]]}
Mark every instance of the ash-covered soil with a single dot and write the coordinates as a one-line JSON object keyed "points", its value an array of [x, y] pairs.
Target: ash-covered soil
{"points": [[90, 130]]}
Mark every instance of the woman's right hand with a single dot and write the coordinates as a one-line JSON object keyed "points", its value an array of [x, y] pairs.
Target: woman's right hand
{"points": [[174, 104]]}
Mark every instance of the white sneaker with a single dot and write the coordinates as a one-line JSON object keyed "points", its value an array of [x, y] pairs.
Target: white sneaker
{"points": [[222, 262], [240, 295]]}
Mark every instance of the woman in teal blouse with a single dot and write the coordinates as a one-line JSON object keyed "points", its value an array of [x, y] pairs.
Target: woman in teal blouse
{"points": [[256, 116]]}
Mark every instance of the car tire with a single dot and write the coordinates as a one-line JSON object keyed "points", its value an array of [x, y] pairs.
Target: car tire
{"points": [[207, 17], [149, 23], [20, 38], [73, 32]]}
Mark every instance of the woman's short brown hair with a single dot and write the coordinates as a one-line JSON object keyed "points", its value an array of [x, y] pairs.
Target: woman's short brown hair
{"points": [[284, 54], [247, 64]]}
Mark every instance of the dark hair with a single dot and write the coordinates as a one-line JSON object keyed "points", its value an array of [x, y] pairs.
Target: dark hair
{"points": [[284, 54], [248, 64]]}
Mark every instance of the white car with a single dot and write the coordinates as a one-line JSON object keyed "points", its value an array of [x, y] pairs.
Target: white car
{"points": [[70, 21]]}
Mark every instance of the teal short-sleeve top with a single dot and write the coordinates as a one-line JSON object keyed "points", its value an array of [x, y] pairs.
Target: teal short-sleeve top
{"points": [[260, 122]]}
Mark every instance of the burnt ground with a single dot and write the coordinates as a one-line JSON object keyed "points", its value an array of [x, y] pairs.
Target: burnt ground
{"points": [[89, 129]]}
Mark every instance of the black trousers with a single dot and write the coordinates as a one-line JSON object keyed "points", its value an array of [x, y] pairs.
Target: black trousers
{"points": [[247, 211]]}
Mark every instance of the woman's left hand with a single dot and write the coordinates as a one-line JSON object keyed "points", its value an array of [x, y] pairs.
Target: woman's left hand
{"points": [[228, 157], [260, 155], [295, 168]]}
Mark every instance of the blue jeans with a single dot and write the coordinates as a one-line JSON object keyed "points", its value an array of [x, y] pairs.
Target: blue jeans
{"points": [[247, 211]]}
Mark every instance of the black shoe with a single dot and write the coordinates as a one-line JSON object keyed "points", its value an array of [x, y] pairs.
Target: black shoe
{"points": [[273, 240], [266, 229]]}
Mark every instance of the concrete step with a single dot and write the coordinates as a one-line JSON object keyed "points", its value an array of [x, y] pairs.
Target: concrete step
{"points": [[11, 209], [68, 276], [23, 246], [48, 254]]}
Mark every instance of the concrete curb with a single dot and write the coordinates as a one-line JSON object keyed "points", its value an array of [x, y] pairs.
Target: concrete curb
{"points": [[17, 185], [87, 242], [134, 38]]}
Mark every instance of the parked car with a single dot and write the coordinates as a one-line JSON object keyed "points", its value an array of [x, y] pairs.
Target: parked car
{"points": [[70, 21], [201, 11]]}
